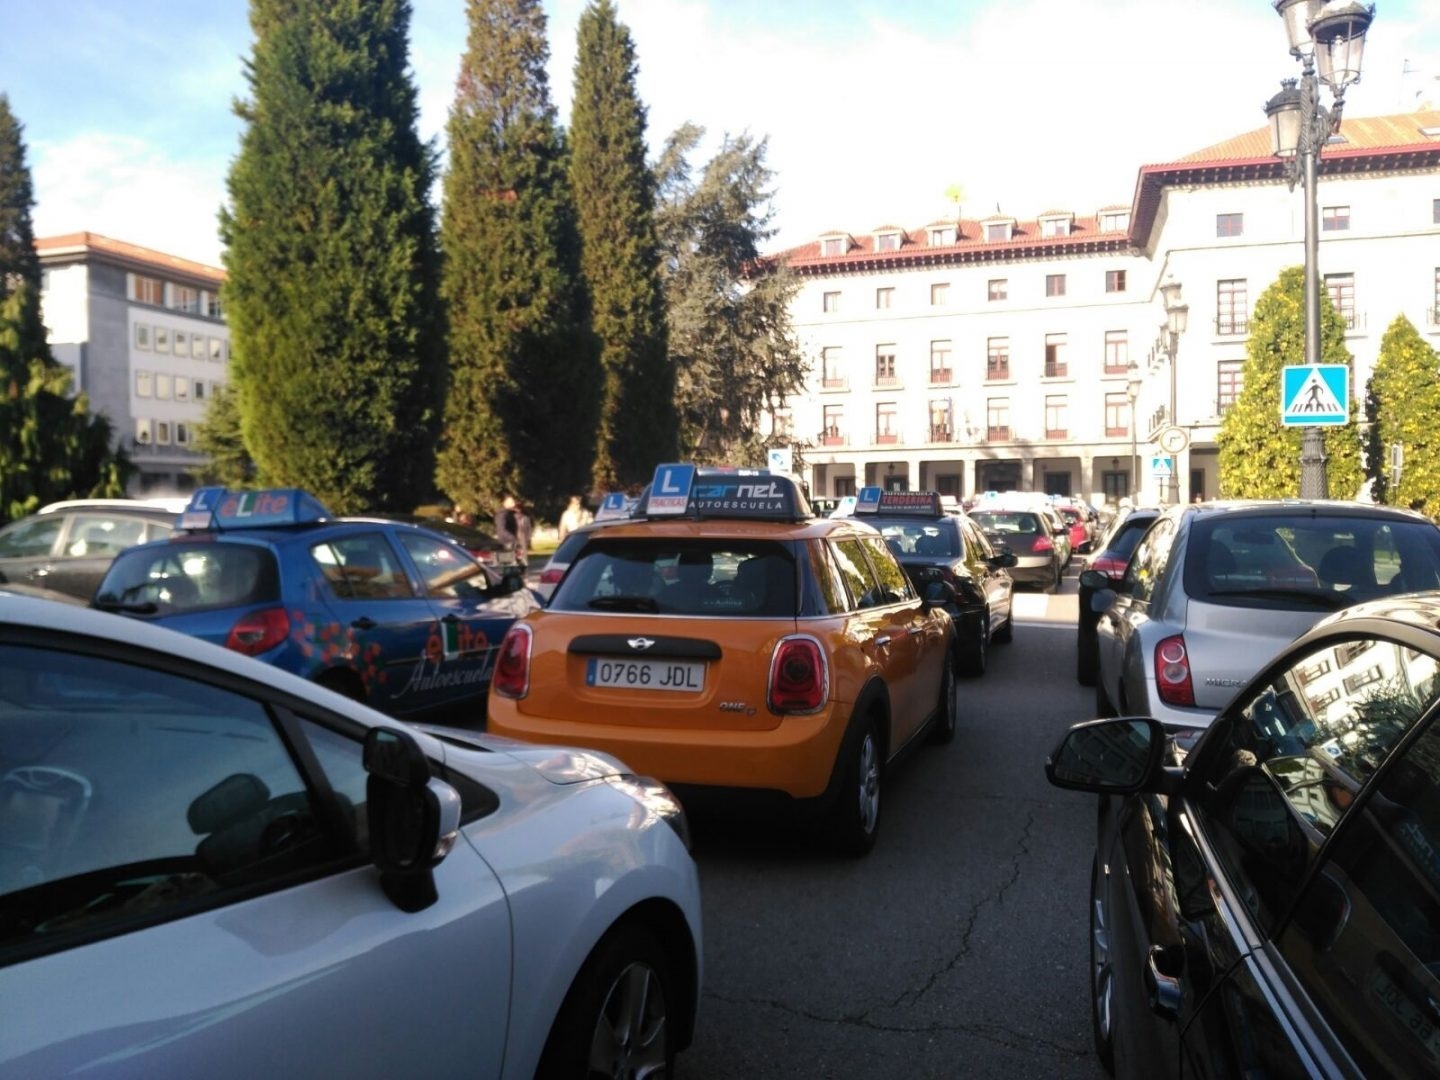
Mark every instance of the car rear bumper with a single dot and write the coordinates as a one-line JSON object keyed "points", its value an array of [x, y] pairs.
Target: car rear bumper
{"points": [[795, 757]]}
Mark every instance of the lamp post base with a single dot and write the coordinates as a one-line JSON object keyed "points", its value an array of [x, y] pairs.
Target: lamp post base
{"points": [[1313, 484]]}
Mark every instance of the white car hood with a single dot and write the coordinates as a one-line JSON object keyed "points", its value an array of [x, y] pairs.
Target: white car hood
{"points": [[557, 764]]}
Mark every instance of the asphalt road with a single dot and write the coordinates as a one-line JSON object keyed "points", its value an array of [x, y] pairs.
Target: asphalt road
{"points": [[958, 947]]}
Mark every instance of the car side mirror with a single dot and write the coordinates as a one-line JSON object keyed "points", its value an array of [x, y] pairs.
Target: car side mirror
{"points": [[1118, 756], [414, 817]]}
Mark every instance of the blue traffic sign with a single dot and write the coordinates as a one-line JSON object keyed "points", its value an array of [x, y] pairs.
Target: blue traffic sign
{"points": [[1315, 394]]}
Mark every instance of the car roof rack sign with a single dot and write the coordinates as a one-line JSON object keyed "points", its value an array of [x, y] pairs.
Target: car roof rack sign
{"points": [[221, 509], [874, 500], [750, 494]]}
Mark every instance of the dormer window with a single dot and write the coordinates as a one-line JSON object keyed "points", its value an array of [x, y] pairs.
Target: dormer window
{"points": [[942, 235], [1112, 221], [998, 231], [1055, 226], [834, 245], [887, 241]]}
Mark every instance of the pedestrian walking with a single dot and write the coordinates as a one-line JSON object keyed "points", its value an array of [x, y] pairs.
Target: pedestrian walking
{"points": [[574, 516], [507, 525]]}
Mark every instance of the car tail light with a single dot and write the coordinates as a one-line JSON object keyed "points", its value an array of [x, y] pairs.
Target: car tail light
{"points": [[1042, 543], [1110, 566], [512, 668], [551, 575], [799, 676], [259, 631], [1172, 672]]}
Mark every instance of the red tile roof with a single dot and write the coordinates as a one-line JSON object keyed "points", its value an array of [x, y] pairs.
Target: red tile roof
{"points": [[76, 243]]}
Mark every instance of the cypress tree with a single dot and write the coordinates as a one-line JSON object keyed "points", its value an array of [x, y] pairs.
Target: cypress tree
{"points": [[1259, 457], [524, 378], [615, 197], [50, 446], [332, 297], [219, 438], [1406, 387]]}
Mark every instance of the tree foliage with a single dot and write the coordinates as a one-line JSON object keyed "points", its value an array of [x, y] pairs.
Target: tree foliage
{"points": [[524, 372], [50, 446], [220, 439], [1406, 387], [332, 296], [1259, 457], [615, 199], [731, 340]]}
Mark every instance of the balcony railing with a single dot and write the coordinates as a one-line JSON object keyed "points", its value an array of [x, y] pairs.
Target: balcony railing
{"points": [[1114, 432], [998, 371], [940, 375], [1056, 369], [1057, 433], [886, 438], [838, 383], [941, 433], [1226, 325], [886, 381], [1433, 316], [997, 434], [833, 438]]}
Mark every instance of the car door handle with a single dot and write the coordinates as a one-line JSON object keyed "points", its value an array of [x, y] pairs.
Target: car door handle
{"points": [[38, 572], [364, 623], [883, 641]]}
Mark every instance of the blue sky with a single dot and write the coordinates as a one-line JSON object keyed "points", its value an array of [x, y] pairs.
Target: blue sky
{"points": [[872, 110]]}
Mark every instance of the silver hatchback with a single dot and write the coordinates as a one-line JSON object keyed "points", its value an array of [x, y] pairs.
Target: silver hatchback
{"points": [[1215, 590]]}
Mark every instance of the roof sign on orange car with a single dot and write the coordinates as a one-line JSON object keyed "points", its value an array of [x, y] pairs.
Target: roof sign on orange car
{"points": [[218, 508], [913, 503], [755, 494], [613, 506]]}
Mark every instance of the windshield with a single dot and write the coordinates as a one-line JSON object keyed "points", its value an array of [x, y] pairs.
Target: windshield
{"points": [[919, 537]]}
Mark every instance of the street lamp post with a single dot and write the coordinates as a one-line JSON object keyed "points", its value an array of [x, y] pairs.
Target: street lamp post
{"points": [[1132, 391], [1328, 39], [1176, 317]]}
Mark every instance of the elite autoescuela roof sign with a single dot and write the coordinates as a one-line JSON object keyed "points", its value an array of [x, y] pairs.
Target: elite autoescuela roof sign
{"points": [[1315, 394]]}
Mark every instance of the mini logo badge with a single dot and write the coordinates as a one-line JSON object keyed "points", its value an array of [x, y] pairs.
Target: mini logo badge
{"points": [[640, 644]]}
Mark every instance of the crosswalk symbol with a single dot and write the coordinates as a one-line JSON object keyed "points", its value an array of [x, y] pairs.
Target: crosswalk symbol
{"points": [[1315, 394]]}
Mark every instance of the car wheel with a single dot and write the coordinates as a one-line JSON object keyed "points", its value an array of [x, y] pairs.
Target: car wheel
{"points": [[855, 818], [947, 709], [1102, 975], [1085, 659], [615, 1019], [1103, 706], [972, 649], [1054, 586]]}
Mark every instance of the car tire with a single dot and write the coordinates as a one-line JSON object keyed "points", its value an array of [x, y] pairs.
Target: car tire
{"points": [[973, 647], [855, 816], [1104, 708], [1102, 975], [615, 1020], [1086, 660], [947, 710], [1054, 586]]}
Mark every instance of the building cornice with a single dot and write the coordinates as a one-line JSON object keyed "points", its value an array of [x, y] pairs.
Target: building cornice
{"points": [[83, 246]]}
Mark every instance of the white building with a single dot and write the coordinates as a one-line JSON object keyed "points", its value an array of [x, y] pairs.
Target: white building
{"points": [[145, 337], [996, 353]]}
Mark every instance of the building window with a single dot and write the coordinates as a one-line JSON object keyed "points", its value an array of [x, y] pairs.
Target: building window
{"points": [[1114, 221], [997, 231], [999, 288], [197, 346], [1054, 284], [1054, 226], [832, 372], [162, 339], [1117, 414], [834, 245], [940, 426], [997, 358], [182, 343], [940, 370], [885, 366], [887, 426], [844, 485], [1057, 416], [142, 432], [883, 297], [199, 389], [1229, 380], [1055, 365], [212, 305], [834, 421], [1232, 307], [162, 433], [830, 302], [942, 236], [940, 294], [1117, 352], [147, 290], [1114, 280], [182, 389], [182, 434], [215, 347], [163, 385], [1229, 224], [185, 299], [1341, 288], [144, 384], [889, 241], [142, 336], [997, 418], [1335, 219]]}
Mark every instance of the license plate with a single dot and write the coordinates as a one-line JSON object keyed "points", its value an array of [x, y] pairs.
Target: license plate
{"points": [[1406, 1012], [684, 675]]}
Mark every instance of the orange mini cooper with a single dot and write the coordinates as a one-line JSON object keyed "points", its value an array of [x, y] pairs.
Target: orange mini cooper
{"points": [[726, 639]]}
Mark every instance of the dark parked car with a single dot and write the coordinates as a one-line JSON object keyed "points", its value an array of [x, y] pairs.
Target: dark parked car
{"points": [[1035, 535], [933, 545], [1110, 559], [62, 552], [1268, 904]]}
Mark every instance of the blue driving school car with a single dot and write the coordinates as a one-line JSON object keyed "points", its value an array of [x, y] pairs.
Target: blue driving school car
{"points": [[395, 615]]}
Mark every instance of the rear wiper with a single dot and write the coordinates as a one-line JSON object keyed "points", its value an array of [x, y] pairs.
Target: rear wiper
{"points": [[625, 603], [148, 607], [1329, 601]]}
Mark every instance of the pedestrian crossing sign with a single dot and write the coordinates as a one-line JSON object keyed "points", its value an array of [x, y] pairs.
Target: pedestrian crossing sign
{"points": [[1160, 466], [1315, 394]]}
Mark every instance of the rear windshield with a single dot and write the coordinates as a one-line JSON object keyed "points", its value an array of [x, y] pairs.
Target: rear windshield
{"points": [[1324, 562], [1127, 537], [1007, 521], [711, 578], [190, 577], [908, 536]]}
